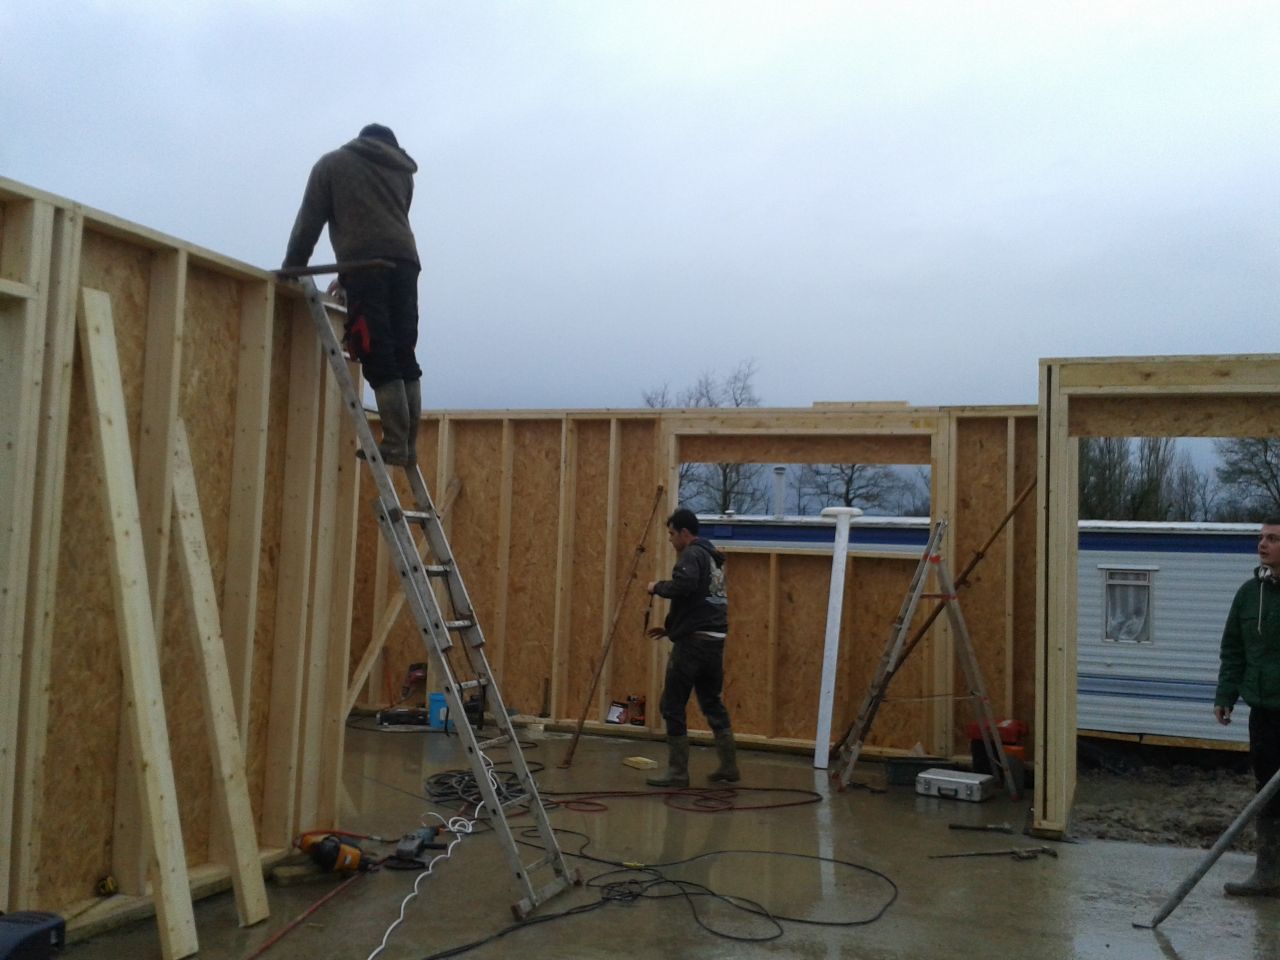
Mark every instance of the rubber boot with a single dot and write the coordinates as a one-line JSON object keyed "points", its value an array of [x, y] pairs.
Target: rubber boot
{"points": [[1265, 881], [677, 774], [393, 410], [727, 772], [413, 394]]}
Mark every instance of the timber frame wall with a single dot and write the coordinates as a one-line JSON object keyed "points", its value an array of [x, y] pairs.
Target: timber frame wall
{"points": [[545, 510], [175, 605], [1187, 396]]}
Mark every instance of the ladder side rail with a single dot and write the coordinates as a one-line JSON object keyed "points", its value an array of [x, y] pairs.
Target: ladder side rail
{"points": [[438, 544], [973, 676]]}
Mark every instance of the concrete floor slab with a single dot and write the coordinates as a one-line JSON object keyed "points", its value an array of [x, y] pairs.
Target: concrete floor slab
{"points": [[1078, 905]]}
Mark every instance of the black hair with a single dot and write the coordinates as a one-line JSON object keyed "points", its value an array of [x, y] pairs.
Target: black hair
{"points": [[1271, 521], [683, 519], [379, 132]]}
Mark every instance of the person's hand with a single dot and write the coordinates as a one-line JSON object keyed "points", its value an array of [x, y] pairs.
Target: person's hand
{"points": [[655, 633], [337, 291], [1222, 715], [649, 588]]}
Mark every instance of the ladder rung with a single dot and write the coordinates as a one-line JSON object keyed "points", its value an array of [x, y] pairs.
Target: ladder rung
{"points": [[459, 624], [471, 684], [543, 861], [520, 801], [435, 570], [495, 742], [418, 516]]}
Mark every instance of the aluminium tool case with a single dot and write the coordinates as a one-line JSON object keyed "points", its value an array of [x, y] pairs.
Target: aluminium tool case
{"points": [[956, 784]]}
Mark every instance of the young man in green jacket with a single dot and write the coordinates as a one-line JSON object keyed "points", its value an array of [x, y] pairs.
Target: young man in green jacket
{"points": [[1250, 670]]}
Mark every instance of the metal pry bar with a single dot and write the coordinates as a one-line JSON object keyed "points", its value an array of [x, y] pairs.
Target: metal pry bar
{"points": [[292, 273]]}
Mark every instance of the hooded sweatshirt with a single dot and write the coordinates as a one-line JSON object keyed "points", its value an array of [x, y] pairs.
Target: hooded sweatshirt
{"points": [[362, 191], [1250, 654], [699, 603]]}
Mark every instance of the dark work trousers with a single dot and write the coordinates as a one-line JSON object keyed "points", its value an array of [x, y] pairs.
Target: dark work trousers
{"points": [[1264, 751], [696, 664], [382, 321]]}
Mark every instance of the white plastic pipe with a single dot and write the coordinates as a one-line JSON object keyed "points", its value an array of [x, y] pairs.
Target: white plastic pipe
{"points": [[831, 646]]}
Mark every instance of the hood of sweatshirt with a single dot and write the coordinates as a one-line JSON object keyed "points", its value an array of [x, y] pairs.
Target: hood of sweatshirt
{"points": [[382, 153], [710, 548]]}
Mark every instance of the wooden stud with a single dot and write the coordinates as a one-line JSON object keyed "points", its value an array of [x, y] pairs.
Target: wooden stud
{"points": [[938, 676], [230, 787], [315, 709], [565, 535], [1010, 565], [610, 565], [25, 258], [334, 720], [138, 648], [497, 632], [42, 582], [248, 483], [166, 311], [279, 813], [771, 677]]}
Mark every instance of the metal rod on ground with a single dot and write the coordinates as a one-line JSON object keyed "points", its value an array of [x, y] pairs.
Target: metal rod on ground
{"points": [[961, 581], [292, 273], [1260, 800], [613, 630]]}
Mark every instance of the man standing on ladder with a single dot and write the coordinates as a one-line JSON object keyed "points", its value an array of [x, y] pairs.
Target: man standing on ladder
{"points": [[362, 191], [1250, 669], [697, 625]]}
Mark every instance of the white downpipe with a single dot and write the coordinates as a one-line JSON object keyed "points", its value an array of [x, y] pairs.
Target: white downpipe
{"points": [[831, 646]]}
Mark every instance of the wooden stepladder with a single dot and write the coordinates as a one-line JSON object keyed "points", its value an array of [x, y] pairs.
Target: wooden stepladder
{"points": [[439, 618], [899, 648]]}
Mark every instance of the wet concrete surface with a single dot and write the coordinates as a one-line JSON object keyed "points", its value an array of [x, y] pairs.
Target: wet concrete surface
{"points": [[1081, 904]]}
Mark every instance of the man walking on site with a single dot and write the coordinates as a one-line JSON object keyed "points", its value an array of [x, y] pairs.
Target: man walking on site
{"points": [[362, 191], [697, 625], [1250, 670]]}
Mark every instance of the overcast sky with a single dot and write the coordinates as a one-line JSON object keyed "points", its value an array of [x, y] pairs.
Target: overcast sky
{"points": [[875, 201]]}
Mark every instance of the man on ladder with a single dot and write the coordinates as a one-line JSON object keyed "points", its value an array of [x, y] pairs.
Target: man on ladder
{"points": [[362, 191]]}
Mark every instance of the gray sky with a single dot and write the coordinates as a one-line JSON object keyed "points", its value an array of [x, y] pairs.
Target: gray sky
{"points": [[875, 201]]}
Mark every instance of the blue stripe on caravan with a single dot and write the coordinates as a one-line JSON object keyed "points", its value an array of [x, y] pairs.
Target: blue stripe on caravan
{"points": [[776, 533], [1245, 543], [1198, 691]]}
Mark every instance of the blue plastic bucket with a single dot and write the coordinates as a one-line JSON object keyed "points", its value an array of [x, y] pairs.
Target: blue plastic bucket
{"points": [[437, 707]]}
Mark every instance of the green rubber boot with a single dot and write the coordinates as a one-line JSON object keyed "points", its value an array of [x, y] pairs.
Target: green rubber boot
{"points": [[677, 774], [1265, 881], [727, 772]]}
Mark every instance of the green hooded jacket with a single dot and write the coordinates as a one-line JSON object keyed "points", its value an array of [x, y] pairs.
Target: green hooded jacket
{"points": [[1250, 655]]}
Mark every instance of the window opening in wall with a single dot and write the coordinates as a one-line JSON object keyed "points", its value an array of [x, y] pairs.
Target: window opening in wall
{"points": [[1127, 610]]}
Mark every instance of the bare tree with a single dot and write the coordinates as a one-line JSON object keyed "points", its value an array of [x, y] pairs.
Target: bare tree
{"points": [[870, 487], [1250, 476], [1152, 469], [718, 487], [1105, 474]]}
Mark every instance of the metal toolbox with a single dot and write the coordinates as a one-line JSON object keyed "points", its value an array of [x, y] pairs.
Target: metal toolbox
{"points": [[956, 785]]}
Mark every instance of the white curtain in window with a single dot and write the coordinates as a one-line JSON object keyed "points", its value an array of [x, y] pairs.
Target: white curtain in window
{"points": [[1128, 605]]}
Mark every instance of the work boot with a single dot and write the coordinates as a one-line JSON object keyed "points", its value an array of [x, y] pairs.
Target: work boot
{"points": [[393, 410], [1265, 881], [727, 772], [413, 394], [677, 774]]}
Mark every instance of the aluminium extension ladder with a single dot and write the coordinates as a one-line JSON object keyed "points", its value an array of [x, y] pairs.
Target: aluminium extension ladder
{"points": [[438, 630], [895, 655]]}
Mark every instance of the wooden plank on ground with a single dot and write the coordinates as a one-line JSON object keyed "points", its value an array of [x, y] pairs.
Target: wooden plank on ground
{"points": [[138, 648], [24, 257], [42, 580], [230, 785]]}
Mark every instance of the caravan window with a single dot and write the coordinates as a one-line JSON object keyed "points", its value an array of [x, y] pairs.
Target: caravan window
{"points": [[1127, 610]]}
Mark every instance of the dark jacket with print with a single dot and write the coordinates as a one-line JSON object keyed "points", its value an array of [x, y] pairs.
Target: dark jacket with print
{"points": [[1250, 654], [695, 605], [362, 191]]}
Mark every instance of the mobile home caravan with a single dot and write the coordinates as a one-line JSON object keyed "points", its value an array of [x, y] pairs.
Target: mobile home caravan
{"points": [[1152, 598]]}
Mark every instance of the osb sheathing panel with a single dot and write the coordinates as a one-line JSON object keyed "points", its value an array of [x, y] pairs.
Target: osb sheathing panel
{"points": [[86, 695], [587, 612], [747, 652], [531, 595], [473, 537], [981, 487], [802, 623], [1024, 576], [632, 652]]}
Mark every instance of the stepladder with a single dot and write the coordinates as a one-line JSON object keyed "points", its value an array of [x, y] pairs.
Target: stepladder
{"points": [[449, 628], [902, 641]]}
